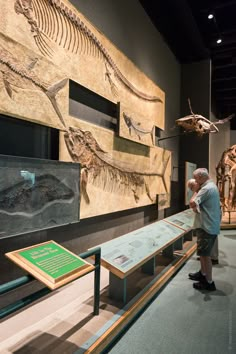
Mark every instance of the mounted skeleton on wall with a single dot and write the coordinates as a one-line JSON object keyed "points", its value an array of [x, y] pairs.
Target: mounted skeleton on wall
{"points": [[226, 179]]}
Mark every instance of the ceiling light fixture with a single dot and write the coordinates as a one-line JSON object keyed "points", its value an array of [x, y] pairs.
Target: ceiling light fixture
{"points": [[219, 40], [210, 16]]}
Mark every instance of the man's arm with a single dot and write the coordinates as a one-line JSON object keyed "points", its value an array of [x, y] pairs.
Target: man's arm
{"points": [[202, 196], [193, 205]]}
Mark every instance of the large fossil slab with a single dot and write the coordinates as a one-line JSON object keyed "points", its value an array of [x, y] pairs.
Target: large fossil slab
{"points": [[58, 31], [116, 174], [37, 38], [32, 88]]}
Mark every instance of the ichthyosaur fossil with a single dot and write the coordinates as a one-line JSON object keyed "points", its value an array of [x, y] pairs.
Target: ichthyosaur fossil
{"points": [[103, 170], [135, 127], [16, 74], [53, 21], [28, 200]]}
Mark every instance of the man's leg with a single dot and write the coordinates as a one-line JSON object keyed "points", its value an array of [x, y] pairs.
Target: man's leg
{"points": [[205, 243], [215, 252], [203, 266], [206, 267]]}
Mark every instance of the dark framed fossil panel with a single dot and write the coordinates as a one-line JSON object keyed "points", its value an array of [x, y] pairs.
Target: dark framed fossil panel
{"points": [[37, 194]]}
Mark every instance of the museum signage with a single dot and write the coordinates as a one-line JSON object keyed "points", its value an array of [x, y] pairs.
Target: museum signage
{"points": [[50, 263]]}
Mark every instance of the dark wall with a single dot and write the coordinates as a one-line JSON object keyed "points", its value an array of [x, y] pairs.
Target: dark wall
{"points": [[196, 85], [22, 138]]}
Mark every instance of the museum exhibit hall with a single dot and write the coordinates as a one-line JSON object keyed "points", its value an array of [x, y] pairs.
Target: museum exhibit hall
{"points": [[118, 176]]}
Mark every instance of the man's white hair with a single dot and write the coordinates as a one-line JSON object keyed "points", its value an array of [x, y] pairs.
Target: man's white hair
{"points": [[201, 172]]}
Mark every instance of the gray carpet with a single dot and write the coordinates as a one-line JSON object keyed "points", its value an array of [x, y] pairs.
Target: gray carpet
{"points": [[186, 321]]}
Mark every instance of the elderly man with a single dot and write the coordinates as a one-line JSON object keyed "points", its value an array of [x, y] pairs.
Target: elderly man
{"points": [[194, 187], [207, 203]]}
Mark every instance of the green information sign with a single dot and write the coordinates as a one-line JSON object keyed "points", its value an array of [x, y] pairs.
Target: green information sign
{"points": [[51, 263], [52, 259]]}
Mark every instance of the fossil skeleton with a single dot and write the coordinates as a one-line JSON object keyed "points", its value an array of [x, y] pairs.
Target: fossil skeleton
{"points": [[199, 124], [226, 174], [27, 200], [53, 21], [135, 127], [17, 75], [103, 170]]}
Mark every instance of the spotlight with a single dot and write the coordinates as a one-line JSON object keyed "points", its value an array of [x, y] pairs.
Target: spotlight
{"points": [[219, 40], [210, 16]]}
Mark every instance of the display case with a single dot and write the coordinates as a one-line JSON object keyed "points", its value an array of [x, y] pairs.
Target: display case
{"points": [[184, 219], [37, 194]]}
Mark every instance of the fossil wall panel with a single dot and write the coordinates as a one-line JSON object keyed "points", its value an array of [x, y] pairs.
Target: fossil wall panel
{"points": [[36, 194], [163, 201], [32, 88], [43, 43], [116, 174], [60, 33], [134, 126]]}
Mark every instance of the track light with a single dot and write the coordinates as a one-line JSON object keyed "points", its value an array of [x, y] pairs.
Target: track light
{"points": [[210, 16], [219, 40]]}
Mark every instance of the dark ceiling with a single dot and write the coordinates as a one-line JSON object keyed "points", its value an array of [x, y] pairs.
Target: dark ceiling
{"points": [[185, 26]]}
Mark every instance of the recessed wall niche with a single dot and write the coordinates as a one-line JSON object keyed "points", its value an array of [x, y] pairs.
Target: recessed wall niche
{"points": [[22, 138]]}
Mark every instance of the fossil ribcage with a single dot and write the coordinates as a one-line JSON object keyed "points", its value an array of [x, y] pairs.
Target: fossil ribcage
{"points": [[52, 20]]}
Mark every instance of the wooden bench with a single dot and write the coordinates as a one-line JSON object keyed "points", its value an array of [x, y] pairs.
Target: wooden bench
{"points": [[124, 254]]}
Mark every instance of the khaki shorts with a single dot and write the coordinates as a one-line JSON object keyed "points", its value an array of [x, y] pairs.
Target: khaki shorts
{"points": [[205, 242]]}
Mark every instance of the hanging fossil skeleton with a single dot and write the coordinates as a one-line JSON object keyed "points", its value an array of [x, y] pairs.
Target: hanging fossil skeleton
{"points": [[226, 179], [195, 123], [53, 21], [101, 169], [16, 75]]}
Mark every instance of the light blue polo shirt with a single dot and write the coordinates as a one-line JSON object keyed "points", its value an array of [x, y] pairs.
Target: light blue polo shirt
{"points": [[208, 200]]}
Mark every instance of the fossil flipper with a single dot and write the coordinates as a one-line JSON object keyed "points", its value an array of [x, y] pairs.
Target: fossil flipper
{"points": [[17, 74]]}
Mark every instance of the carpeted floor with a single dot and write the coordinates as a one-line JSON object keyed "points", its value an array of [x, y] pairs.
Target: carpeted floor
{"points": [[186, 321]]}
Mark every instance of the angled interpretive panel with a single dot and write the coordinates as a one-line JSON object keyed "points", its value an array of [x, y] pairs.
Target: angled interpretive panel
{"points": [[50, 263], [184, 219], [126, 253]]}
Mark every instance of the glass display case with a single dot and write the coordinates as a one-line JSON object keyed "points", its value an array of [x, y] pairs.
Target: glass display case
{"points": [[37, 194]]}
